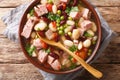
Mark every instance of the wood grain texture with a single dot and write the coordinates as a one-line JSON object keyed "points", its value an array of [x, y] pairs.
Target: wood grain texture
{"points": [[110, 71], [100, 3], [29, 72], [19, 72]]}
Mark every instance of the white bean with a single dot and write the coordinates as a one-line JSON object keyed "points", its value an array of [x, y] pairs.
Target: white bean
{"points": [[87, 43], [94, 27], [90, 32], [33, 34], [80, 45], [54, 9], [34, 54], [95, 38], [40, 26], [76, 33], [68, 43], [28, 16], [70, 22], [69, 28], [52, 28]]}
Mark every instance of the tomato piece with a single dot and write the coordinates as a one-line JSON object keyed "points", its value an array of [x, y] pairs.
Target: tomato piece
{"points": [[49, 7], [41, 33], [82, 54], [44, 45], [54, 24], [56, 37], [64, 6]]}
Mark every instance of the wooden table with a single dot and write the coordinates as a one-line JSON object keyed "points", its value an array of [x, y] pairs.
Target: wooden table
{"points": [[14, 65]]}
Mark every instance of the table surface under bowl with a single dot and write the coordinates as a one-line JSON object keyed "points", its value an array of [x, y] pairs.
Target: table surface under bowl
{"points": [[14, 65]]}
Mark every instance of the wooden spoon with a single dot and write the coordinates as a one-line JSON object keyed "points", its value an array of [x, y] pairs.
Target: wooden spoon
{"points": [[89, 68]]}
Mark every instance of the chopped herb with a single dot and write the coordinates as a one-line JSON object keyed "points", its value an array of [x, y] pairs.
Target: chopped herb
{"points": [[68, 10], [31, 12], [30, 49], [93, 42], [73, 65], [74, 9], [70, 57], [73, 48], [47, 51], [86, 34], [53, 17]]}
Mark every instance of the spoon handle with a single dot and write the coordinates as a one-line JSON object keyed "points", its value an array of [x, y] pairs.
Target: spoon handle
{"points": [[89, 68]]}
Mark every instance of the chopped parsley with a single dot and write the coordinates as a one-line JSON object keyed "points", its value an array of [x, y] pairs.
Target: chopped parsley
{"points": [[73, 65], [31, 12], [68, 9], [86, 34], [30, 49], [53, 17], [73, 48], [74, 9], [47, 51]]}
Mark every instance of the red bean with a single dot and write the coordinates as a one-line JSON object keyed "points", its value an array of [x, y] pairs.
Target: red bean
{"points": [[41, 33], [60, 7], [67, 37], [75, 2], [65, 15], [45, 19], [62, 22], [54, 55]]}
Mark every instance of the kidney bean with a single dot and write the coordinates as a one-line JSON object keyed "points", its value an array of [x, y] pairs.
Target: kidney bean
{"points": [[54, 55], [67, 37], [65, 15], [73, 27], [62, 22], [82, 38], [75, 2], [60, 7], [41, 33], [45, 19]]}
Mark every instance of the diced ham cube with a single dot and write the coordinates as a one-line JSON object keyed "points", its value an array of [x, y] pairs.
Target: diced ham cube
{"points": [[81, 31], [85, 13], [28, 28], [42, 56], [86, 24], [49, 34], [56, 65], [50, 59], [75, 15], [41, 10], [65, 1], [76, 34], [37, 43], [56, 2], [43, 1]]}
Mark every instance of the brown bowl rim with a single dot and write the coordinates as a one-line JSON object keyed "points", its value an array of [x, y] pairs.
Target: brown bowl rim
{"points": [[69, 71]]}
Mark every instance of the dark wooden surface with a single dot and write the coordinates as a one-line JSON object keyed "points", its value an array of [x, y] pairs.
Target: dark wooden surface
{"points": [[14, 65]]}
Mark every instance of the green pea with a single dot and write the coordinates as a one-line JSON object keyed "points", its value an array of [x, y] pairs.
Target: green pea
{"points": [[50, 1], [62, 17], [69, 33], [61, 27], [58, 28], [70, 18], [58, 21], [59, 12], [65, 25], [58, 24], [61, 32]]}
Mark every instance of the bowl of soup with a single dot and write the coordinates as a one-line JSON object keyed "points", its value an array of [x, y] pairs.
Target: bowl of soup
{"points": [[74, 23]]}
